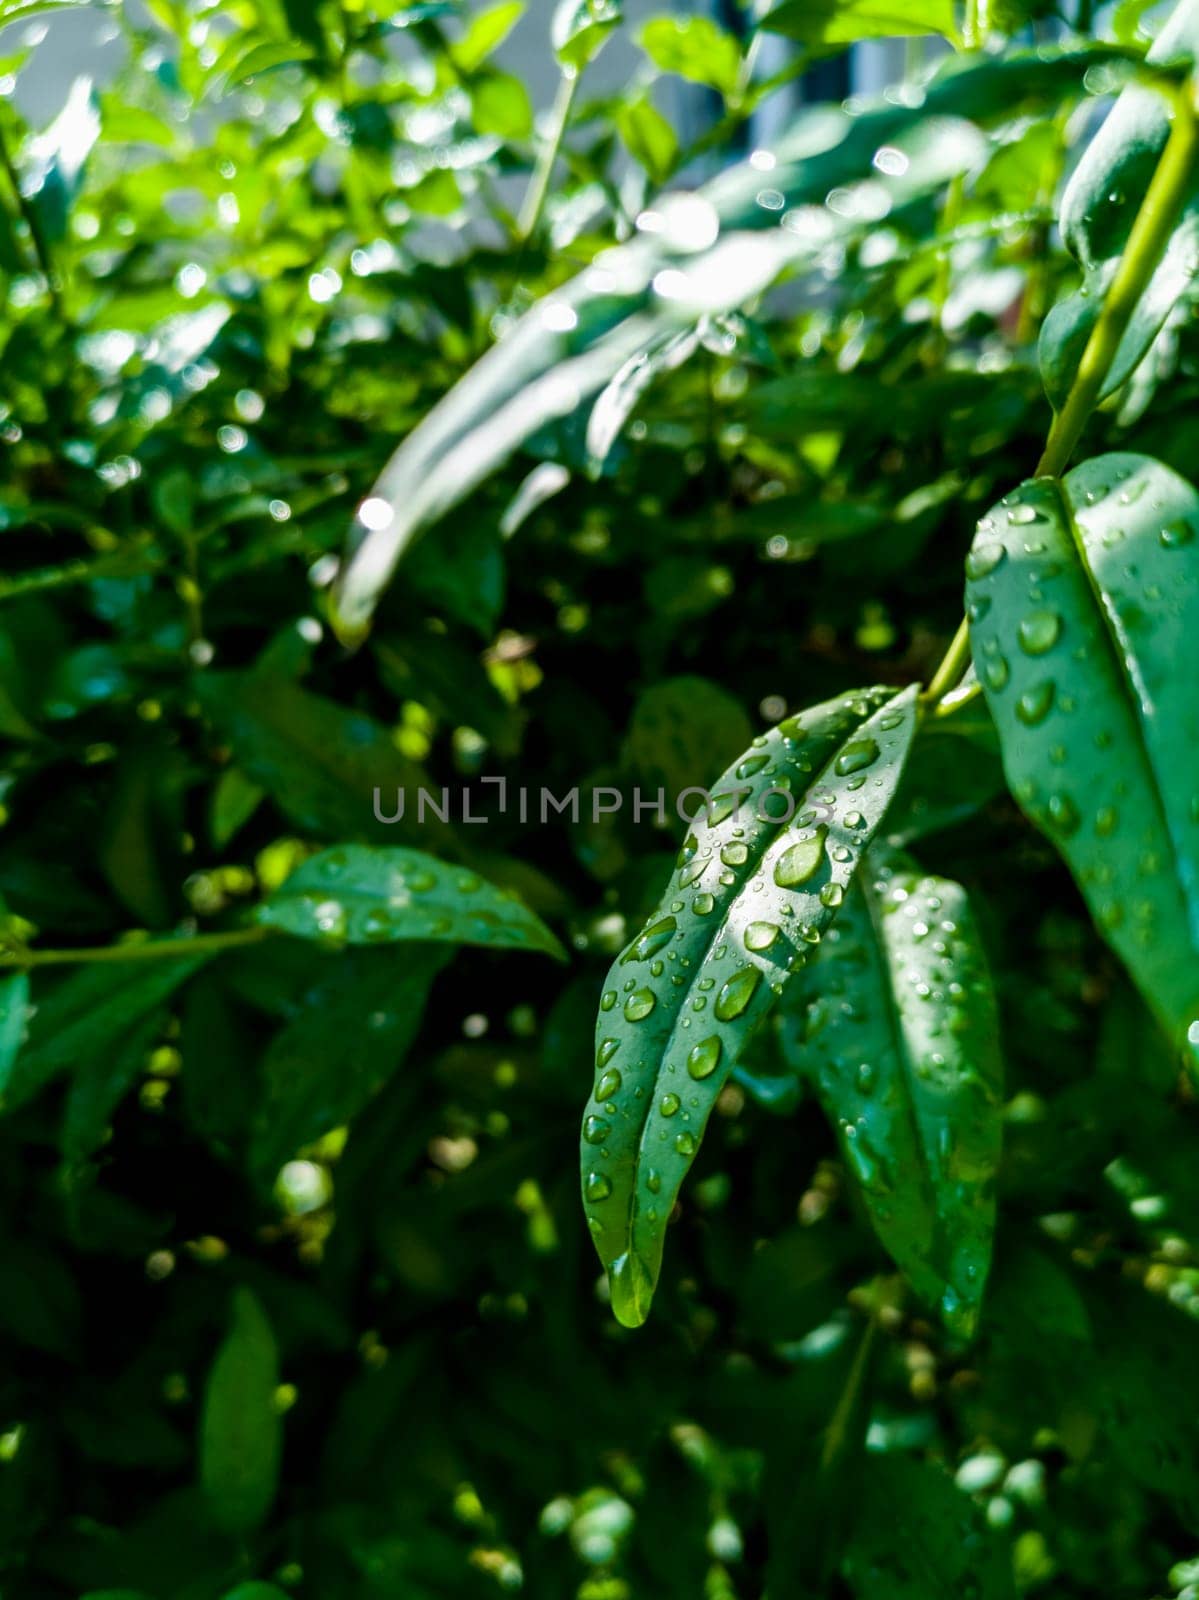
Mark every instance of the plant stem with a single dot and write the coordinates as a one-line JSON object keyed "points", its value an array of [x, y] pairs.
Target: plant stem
{"points": [[1148, 238], [539, 183], [151, 950]]}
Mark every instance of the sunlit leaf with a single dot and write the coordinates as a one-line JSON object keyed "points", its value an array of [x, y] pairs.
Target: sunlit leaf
{"points": [[696, 48], [832, 22]]}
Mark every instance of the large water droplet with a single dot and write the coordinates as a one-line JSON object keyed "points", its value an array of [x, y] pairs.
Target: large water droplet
{"points": [[608, 1085], [685, 1143], [639, 1004], [595, 1130], [752, 765], [800, 861], [736, 994], [996, 673], [861, 753], [760, 935], [704, 1058], [631, 1288], [1035, 704], [669, 1105], [1176, 534], [1039, 632], [983, 560], [607, 1049], [655, 936], [598, 1186]]}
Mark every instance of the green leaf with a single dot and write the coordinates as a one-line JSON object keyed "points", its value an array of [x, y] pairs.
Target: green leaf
{"points": [[358, 895], [831, 22], [320, 762], [580, 29], [500, 105], [90, 1013], [99, 1084], [917, 1537], [697, 49], [241, 1433], [896, 1027], [647, 136], [749, 902], [350, 1032], [484, 35], [1084, 600], [1098, 208], [14, 1013]]}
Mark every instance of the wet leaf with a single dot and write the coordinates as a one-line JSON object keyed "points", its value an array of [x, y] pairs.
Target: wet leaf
{"points": [[748, 905], [895, 1025], [831, 22], [1084, 598], [358, 895]]}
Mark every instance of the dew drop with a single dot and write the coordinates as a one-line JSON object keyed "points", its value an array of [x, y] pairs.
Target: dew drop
{"points": [[639, 1004], [983, 560], [704, 1058], [1035, 704], [761, 935], [669, 1105], [798, 863], [1039, 632], [595, 1130], [655, 936], [861, 753], [685, 1143], [599, 1186], [607, 1049], [995, 673], [737, 993]]}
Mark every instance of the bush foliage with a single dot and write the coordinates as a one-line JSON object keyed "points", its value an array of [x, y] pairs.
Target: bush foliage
{"points": [[297, 1295]]}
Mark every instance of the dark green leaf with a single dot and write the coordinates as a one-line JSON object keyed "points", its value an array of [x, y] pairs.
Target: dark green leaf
{"points": [[917, 1537], [241, 1432]]}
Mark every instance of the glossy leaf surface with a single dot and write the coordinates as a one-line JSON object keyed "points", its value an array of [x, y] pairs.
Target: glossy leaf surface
{"points": [[354, 894], [749, 903], [1084, 603], [896, 1027]]}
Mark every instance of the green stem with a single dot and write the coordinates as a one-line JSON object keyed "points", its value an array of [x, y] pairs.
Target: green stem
{"points": [[150, 950], [539, 183], [1150, 233]]}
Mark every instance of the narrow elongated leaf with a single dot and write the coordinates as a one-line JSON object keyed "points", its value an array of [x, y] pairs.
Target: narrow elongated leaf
{"points": [[88, 1014], [358, 895], [1097, 211], [240, 1428], [14, 1012], [1083, 596], [349, 1034], [896, 1027], [749, 903]]}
